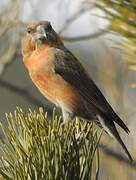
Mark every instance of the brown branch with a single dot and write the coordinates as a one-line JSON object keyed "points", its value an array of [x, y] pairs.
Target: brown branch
{"points": [[117, 156], [87, 36], [22, 92], [70, 20]]}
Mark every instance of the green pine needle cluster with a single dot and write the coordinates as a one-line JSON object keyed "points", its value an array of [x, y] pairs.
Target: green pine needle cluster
{"points": [[122, 16], [35, 148]]}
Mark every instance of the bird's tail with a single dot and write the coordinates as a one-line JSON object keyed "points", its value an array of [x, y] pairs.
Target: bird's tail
{"points": [[110, 128]]}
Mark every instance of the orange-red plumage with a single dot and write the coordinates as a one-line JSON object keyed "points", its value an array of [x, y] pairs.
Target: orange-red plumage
{"points": [[62, 79], [40, 66]]}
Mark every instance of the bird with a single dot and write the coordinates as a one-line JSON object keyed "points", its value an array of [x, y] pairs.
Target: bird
{"points": [[63, 80]]}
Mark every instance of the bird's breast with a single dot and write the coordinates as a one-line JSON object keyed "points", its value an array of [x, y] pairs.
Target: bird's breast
{"points": [[50, 84]]}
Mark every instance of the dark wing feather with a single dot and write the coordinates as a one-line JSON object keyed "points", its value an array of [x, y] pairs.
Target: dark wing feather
{"points": [[73, 72]]}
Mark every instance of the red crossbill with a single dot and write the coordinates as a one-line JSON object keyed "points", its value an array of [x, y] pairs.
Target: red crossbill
{"points": [[61, 78]]}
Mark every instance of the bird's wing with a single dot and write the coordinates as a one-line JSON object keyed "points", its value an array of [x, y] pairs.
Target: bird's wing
{"points": [[68, 67]]}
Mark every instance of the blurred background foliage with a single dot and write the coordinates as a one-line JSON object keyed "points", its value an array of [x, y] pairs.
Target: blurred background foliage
{"points": [[102, 35], [122, 16]]}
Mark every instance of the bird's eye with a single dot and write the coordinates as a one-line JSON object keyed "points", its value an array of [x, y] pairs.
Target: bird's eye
{"points": [[30, 30]]}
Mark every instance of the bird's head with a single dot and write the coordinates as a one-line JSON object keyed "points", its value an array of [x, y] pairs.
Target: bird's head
{"points": [[39, 35]]}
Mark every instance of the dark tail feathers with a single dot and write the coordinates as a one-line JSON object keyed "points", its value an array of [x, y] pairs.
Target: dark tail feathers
{"points": [[108, 124], [112, 116]]}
